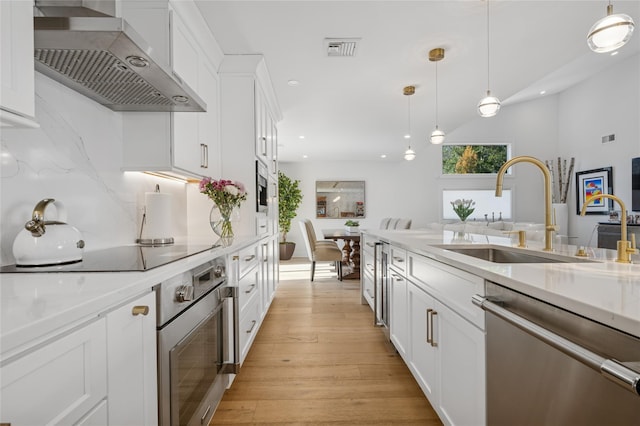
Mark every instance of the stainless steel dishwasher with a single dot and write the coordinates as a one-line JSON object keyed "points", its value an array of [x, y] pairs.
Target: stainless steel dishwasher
{"points": [[548, 366]]}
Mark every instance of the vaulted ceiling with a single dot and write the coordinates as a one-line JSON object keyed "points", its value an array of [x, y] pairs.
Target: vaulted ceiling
{"points": [[354, 107]]}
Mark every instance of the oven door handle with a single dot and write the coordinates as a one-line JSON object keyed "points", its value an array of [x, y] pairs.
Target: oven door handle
{"points": [[612, 369], [233, 366]]}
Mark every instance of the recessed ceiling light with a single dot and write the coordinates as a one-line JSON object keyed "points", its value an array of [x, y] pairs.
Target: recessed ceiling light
{"points": [[301, 137], [383, 156], [542, 92], [293, 82], [305, 156], [407, 136]]}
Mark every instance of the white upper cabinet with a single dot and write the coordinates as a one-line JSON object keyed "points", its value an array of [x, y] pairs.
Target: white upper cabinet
{"points": [[17, 93], [248, 116], [183, 144]]}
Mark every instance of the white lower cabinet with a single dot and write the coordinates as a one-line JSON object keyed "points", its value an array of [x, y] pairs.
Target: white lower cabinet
{"points": [[58, 383], [461, 368], [248, 327], [246, 274], [268, 262], [399, 323], [102, 373], [438, 332], [97, 416], [366, 277], [447, 359], [422, 355], [131, 361]]}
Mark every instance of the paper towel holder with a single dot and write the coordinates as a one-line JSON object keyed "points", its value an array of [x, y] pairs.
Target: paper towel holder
{"points": [[151, 242]]}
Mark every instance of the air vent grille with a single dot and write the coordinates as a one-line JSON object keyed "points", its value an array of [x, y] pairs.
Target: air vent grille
{"points": [[341, 47], [101, 72]]}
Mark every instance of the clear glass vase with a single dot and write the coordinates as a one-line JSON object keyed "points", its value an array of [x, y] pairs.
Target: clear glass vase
{"points": [[221, 220]]}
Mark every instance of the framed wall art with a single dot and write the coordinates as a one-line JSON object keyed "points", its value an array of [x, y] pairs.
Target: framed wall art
{"points": [[594, 182]]}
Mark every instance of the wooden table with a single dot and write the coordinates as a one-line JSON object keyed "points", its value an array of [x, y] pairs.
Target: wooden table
{"points": [[351, 250]]}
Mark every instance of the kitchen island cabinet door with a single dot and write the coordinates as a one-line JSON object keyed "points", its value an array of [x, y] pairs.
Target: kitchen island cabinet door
{"points": [[460, 369], [58, 383], [422, 359], [399, 324], [131, 346]]}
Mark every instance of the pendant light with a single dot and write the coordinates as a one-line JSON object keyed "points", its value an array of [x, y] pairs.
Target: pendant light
{"points": [[489, 105], [437, 136], [409, 154], [611, 32]]}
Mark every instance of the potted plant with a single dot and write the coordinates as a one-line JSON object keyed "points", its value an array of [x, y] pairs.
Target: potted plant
{"points": [[352, 225], [289, 198]]}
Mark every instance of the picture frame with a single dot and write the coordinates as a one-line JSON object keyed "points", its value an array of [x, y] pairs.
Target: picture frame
{"points": [[592, 182]]}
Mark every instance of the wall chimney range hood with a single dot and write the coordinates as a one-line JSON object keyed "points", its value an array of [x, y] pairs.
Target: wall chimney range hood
{"points": [[105, 59]]}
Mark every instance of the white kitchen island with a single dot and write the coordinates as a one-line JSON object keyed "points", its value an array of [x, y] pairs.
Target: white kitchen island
{"points": [[425, 298]]}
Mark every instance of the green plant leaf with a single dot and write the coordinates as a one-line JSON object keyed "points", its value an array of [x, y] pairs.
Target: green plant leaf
{"points": [[289, 199]]}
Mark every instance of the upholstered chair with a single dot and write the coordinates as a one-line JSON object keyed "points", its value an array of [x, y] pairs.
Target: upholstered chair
{"points": [[318, 251], [403, 224]]}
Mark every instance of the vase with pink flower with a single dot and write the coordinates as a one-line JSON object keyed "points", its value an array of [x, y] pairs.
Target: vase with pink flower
{"points": [[227, 195]]}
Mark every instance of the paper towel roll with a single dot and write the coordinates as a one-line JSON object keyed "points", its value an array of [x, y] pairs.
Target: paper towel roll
{"points": [[158, 216]]}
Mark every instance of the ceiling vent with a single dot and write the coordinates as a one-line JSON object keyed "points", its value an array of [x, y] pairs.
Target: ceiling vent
{"points": [[341, 46]]}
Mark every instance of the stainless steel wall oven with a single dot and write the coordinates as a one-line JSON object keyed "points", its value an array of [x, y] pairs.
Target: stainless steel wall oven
{"points": [[262, 195], [196, 344]]}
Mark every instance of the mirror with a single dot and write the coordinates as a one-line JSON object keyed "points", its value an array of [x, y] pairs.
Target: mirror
{"points": [[336, 199]]}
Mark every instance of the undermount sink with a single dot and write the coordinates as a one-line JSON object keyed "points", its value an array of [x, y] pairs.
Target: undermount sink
{"points": [[511, 255]]}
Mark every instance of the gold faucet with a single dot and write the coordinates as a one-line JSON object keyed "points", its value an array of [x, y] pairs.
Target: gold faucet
{"points": [[625, 248], [549, 226]]}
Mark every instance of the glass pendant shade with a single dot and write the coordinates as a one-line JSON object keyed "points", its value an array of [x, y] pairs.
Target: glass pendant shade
{"points": [[611, 32], [409, 154], [488, 106], [437, 136]]}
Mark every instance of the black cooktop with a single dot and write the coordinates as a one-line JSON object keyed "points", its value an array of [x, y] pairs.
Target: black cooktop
{"points": [[120, 259]]}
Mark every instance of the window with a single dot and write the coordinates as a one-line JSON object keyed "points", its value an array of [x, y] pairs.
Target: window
{"points": [[472, 158], [487, 207]]}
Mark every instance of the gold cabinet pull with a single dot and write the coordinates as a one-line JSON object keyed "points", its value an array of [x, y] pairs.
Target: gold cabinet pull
{"points": [[140, 310]]}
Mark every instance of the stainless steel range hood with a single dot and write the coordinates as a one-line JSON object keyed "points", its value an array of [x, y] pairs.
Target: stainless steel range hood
{"points": [[103, 58]]}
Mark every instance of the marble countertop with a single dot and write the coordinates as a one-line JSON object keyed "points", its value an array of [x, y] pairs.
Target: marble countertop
{"points": [[603, 290], [35, 305]]}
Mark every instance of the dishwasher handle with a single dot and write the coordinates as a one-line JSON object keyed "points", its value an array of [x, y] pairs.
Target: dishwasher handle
{"points": [[612, 369]]}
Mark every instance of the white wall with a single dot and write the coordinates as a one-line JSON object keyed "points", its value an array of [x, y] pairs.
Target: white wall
{"points": [[604, 104], [412, 189], [567, 124], [75, 157]]}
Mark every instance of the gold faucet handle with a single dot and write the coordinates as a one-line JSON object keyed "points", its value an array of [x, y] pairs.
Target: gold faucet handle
{"points": [[632, 249], [522, 237]]}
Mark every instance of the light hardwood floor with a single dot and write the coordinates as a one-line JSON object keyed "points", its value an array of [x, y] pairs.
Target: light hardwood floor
{"points": [[319, 360]]}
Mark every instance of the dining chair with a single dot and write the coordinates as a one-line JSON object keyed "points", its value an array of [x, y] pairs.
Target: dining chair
{"points": [[319, 251], [403, 224], [314, 238], [384, 224]]}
